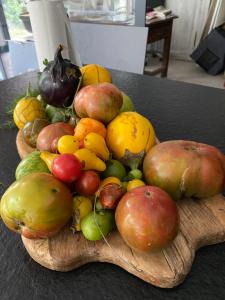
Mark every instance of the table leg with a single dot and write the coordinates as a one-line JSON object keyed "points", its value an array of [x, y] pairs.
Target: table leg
{"points": [[166, 52]]}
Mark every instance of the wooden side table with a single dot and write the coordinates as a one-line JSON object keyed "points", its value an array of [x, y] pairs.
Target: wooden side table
{"points": [[161, 30]]}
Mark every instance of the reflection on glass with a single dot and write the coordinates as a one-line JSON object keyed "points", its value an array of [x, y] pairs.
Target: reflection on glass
{"points": [[14, 9], [103, 11]]}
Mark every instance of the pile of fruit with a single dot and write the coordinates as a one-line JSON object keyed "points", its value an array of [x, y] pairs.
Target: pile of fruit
{"points": [[96, 164]]}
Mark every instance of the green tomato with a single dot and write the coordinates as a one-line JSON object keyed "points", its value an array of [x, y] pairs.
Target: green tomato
{"points": [[114, 168], [105, 220], [127, 103], [99, 205], [37, 205], [135, 174]]}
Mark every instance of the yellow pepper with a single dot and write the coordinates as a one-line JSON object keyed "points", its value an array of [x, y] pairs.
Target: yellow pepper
{"points": [[48, 158], [89, 160], [96, 143], [82, 206]]}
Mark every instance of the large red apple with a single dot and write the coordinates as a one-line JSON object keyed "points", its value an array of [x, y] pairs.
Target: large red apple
{"points": [[185, 169], [147, 218], [101, 102]]}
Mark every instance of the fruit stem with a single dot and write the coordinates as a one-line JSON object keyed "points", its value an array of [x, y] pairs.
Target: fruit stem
{"points": [[148, 194], [134, 164]]}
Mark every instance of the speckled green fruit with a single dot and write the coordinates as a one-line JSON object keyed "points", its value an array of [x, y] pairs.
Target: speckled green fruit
{"points": [[32, 163]]}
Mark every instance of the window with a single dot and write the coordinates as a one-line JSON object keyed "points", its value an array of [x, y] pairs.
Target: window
{"points": [[14, 11], [110, 11]]}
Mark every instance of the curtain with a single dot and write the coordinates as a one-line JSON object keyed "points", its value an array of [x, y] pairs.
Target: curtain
{"points": [[214, 11]]}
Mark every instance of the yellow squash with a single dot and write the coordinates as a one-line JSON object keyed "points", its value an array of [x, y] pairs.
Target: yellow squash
{"points": [[96, 143], [129, 136], [89, 160]]}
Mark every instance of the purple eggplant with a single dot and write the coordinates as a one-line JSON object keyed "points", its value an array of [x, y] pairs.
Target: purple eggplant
{"points": [[59, 81]]}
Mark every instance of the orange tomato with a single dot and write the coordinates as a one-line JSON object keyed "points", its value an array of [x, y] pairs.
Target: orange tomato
{"points": [[87, 125]]}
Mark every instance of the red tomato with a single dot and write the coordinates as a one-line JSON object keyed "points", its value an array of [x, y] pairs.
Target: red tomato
{"points": [[147, 218], [185, 169], [66, 167], [88, 183]]}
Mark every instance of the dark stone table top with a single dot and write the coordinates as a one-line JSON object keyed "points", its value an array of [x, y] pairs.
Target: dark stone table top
{"points": [[177, 111]]}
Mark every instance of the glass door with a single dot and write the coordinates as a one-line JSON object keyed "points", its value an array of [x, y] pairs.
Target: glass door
{"points": [[101, 11], [15, 15]]}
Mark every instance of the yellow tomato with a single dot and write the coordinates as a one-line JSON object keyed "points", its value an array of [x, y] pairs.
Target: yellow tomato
{"points": [[93, 74], [27, 110], [106, 181], [134, 183], [68, 144], [82, 206]]}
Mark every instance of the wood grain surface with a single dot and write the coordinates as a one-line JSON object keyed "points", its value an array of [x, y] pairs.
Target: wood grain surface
{"points": [[202, 223]]}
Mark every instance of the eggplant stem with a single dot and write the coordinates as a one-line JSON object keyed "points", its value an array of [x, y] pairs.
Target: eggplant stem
{"points": [[58, 53]]}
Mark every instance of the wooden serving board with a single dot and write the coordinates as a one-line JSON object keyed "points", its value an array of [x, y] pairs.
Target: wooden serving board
{"points": [[202, 223]]}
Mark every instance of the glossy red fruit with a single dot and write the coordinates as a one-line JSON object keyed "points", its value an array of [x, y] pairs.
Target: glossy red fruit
{"points": [[88, 183], [66, 167], [147, 218]]}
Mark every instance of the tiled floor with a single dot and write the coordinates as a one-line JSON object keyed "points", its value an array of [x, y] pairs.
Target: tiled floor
{"points": [[188, 71]]}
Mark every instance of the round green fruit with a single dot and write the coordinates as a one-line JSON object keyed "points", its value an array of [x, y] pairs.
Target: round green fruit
{"points": [[135, 174], [127, 103], [114, 168], [96, 224], [32, 163]]}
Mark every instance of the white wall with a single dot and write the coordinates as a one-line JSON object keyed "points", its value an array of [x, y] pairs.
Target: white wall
{"points": [[113, 46], [188, 27]]}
